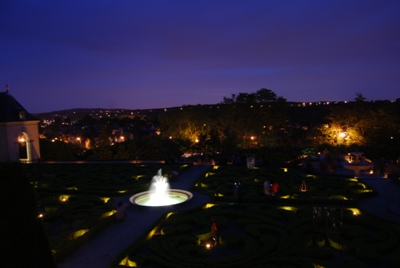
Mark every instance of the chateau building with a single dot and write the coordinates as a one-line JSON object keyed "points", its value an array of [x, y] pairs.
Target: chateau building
{"points": [[19, 131]]}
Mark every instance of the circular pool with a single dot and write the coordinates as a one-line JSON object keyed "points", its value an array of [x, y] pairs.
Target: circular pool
{"points": [[172, 197]]}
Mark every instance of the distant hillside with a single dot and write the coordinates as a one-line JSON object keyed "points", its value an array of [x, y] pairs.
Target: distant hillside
{"points": [[301, 113], [76, 114]]}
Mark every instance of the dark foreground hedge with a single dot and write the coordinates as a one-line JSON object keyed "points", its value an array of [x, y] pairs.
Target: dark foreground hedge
{"points": [[23, 241]]}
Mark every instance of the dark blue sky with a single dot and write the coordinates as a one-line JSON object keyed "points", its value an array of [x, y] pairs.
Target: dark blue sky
{"points": [[139, 54]]}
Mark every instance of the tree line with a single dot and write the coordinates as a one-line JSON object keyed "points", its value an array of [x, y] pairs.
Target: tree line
{"points": [[259, 122]]}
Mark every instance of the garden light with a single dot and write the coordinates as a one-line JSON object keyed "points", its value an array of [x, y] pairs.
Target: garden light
{"points": [[303, 187]]}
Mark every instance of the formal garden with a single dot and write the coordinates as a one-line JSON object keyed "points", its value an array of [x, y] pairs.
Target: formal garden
{"points": [[255, 235], [314, 222], [318, 225], [74, 201]]}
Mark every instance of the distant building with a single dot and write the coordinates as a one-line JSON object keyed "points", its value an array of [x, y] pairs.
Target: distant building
{"points": [[19, 132]]}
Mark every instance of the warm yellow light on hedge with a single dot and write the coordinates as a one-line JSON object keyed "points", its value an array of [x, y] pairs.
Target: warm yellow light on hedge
{"points": [[294, 209], [137, 177], [208, 205], [339, 197], [355, 211], [127, 262], [366, 191], [285, 196], [72, 188], [215, 167], [122, 191], [169, 214], [285, 170], [63, 197], [79, 233], [152, 232], [109, 213], [105, 199]]}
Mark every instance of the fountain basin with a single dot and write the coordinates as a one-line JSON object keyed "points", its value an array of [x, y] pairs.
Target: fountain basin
{"points": [[357, 163], [357, 168], [173, 197]]}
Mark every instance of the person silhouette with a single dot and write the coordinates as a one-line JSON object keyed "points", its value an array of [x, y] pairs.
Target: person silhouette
{"points": [[121, 211]]}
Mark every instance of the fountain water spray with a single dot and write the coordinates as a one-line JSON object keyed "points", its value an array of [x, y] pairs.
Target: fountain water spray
{"points": [[160, 194], [159, 190]]}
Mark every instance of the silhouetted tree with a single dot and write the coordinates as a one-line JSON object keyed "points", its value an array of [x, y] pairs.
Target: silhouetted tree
{"points": [[121, 152]]}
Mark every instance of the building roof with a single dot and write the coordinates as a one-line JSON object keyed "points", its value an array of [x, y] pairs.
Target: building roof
{"points": [[11, 110]]}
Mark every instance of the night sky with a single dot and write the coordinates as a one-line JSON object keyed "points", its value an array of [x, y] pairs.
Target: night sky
{"points": [[144, 54]]}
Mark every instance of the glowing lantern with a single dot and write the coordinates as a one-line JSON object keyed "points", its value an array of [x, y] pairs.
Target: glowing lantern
{"points": [[303, 187]]}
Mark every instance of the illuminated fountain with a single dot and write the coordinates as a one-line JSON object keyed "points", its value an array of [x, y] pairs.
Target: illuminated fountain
{"points": [[357, 163], [160, 194]]}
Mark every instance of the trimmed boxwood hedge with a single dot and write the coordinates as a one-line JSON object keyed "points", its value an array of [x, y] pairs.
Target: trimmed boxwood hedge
{"points": [[262, 234], [250, 237], [323, 189]]}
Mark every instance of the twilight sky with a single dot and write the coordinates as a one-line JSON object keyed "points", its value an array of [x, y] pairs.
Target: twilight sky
{"points": [[143, 54]]}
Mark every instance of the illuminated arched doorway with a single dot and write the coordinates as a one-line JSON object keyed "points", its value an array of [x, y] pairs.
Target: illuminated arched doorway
{"points": [[19, 132], [24, 148]]}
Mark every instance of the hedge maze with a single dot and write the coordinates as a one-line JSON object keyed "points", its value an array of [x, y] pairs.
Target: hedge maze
{"points": [[75, 200], [317, 228], [321, 189], [95, 179], [265, 236]]}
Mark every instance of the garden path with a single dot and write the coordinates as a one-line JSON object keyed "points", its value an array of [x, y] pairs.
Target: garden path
{"points": [[386, 204]]}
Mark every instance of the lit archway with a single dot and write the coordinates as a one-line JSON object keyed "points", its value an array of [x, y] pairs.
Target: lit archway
{"points": [[24, 148]]}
